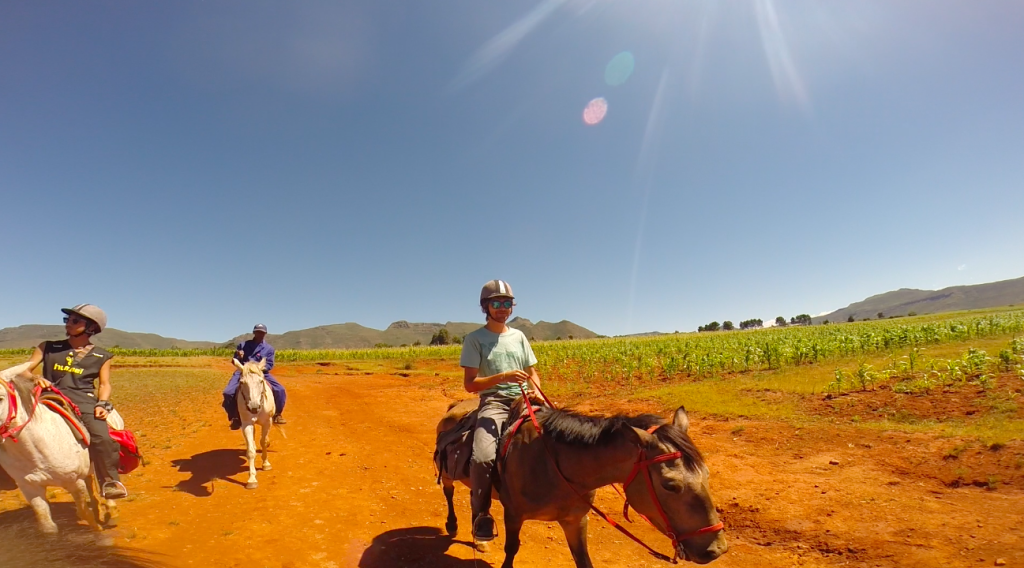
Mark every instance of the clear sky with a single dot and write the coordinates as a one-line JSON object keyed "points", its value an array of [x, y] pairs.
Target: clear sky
{"points": [[197, 167]]}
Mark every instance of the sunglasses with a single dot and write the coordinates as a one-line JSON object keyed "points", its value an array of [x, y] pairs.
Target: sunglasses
{"points": [[74, 319], [496, 304]]}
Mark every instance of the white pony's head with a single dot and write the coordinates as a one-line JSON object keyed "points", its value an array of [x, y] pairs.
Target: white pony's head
{"points": [[252, 385], [8, 376]]}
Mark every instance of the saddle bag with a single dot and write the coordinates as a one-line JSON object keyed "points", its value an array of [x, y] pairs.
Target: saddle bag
{"points": [[129, 457]]}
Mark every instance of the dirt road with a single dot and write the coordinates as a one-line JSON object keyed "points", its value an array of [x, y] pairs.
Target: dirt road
{"points": [[353, 486]]}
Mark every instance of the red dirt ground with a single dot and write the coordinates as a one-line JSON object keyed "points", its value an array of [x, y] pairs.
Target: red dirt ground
{"points": [[353, 486]]}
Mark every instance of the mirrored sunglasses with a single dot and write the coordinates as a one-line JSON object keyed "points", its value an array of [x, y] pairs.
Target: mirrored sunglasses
{"points": [[496, 304]]}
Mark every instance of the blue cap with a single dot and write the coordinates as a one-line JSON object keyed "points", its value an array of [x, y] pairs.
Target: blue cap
{"points": [[259, 327]]}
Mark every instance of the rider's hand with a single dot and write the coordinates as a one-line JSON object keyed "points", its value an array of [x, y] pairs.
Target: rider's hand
{"points": [[100, 413], [41, 382], [240, 354], [515, 376]]}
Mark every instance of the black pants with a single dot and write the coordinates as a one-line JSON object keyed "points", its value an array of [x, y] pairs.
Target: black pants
{"points": [[103, 450]]}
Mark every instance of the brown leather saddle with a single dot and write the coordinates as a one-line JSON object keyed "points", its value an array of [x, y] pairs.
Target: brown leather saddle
{"points": [[56, 402]]}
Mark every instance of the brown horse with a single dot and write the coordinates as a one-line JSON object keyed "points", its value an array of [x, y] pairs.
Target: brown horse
{"points": [[553, 476]]}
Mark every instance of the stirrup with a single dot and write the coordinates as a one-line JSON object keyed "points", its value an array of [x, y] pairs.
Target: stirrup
{"points": [[484, 528], [114, 490]]}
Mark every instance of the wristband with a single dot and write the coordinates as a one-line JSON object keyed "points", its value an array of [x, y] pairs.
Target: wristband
{"points": [[105, 405]]}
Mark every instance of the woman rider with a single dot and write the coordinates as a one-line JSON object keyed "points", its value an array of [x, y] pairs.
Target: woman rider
{"points": [[496, 360], [73, 365]]}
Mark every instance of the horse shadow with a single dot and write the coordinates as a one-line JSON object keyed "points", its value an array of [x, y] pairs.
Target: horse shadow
{"points": [[415, 547], [207, 467], [23, 544]]}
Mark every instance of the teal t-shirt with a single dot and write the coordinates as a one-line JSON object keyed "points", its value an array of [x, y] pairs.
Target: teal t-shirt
{"points": [[492, 353]]}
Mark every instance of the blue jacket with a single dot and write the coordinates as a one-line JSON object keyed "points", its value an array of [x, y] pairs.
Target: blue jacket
{"points": [[252, 351]]}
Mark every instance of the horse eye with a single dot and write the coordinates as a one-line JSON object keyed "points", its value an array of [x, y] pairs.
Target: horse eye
{"points": [[672, 485]]}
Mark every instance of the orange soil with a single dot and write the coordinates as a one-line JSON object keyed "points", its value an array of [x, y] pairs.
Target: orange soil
{"points": [[353, 486]]}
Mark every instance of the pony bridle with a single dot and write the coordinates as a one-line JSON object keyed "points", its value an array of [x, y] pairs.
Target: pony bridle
{"points": [[263, 393], [644, 465]]}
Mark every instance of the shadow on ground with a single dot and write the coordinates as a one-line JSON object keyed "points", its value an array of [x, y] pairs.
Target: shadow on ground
{"points": [[417, 547], [207, 467], [76, 546]]}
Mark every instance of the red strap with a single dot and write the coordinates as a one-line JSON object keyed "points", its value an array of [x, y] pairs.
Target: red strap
{"points": [[12, 411]]}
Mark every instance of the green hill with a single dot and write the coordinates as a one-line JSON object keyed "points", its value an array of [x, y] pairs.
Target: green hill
{"points": [[32, 335], [955, 298], [355, 336]]}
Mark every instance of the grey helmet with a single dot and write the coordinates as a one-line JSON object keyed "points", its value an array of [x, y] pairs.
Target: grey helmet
{"points": [[496, 289], [89, 312]]}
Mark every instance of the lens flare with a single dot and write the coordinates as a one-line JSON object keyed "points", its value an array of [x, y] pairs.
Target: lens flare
{"points": [[595, 111], [619, 69]]}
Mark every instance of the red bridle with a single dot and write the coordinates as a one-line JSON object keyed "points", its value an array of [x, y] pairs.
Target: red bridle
{"points": [[639, 464], [642, 464], [12, 411]]}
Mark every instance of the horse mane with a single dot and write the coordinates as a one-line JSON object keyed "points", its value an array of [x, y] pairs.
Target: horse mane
{"points": [[576, 429]]}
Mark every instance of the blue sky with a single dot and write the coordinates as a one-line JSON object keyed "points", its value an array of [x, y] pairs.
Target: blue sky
{"points": [[197, 167]]}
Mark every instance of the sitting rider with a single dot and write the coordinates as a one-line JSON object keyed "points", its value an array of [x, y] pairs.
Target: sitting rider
{"points": [[74, 365], [495, 359], [255, 349]]}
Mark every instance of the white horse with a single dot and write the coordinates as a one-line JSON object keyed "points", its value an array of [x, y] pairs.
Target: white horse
{"points": [[45, 453], [255, 406]]}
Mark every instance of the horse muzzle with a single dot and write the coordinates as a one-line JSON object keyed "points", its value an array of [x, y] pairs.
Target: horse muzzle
{"points": [[719, 547]]}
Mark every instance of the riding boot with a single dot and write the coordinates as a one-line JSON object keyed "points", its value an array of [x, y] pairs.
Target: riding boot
{"points": [[480, 500]]}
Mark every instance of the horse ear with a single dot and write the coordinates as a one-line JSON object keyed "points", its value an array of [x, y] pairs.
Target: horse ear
{"points": [[237, 364], [681, 420], [639, 437], [9, 374], [263, 364]]}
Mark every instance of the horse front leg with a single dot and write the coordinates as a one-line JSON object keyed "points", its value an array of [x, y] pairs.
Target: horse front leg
{"points": [[451, 525], [265, 444], [250, 453], [576, 536], [513, 525], [36, 497]]}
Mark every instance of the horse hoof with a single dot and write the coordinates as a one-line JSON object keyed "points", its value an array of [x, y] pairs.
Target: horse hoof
{"points": [[251, 485], [267, 467], [111, 522], [452, 529]]}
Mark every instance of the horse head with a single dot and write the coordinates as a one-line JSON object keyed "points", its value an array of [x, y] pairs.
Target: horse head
{"points": [[669, 486], [8, 397], [251, 385]]}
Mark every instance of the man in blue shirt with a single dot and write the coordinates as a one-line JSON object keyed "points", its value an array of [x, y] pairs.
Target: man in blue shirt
{"points": [[255, 349]]}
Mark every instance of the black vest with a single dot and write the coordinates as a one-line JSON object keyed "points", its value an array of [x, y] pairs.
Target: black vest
{"points": [[61, 369]]}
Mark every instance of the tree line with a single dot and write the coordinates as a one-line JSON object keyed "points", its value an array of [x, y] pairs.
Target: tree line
{"points": [[755, 323]]}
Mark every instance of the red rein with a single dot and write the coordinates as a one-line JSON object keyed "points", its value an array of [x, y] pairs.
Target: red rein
{"points": [[640, 464]]}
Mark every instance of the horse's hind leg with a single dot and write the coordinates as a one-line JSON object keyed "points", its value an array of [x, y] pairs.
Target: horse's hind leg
{"points": [[265, 446], [513, 525], [103, 510], [82, 504], [576, 535], [36, 497], [451, 525]]}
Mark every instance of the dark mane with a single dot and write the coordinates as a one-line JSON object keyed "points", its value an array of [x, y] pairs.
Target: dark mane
{"points": [[575, 429]]}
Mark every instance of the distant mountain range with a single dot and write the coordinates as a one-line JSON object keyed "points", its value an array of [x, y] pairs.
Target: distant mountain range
{"points": [[354, 336], [955, 298], [338, 336]]}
